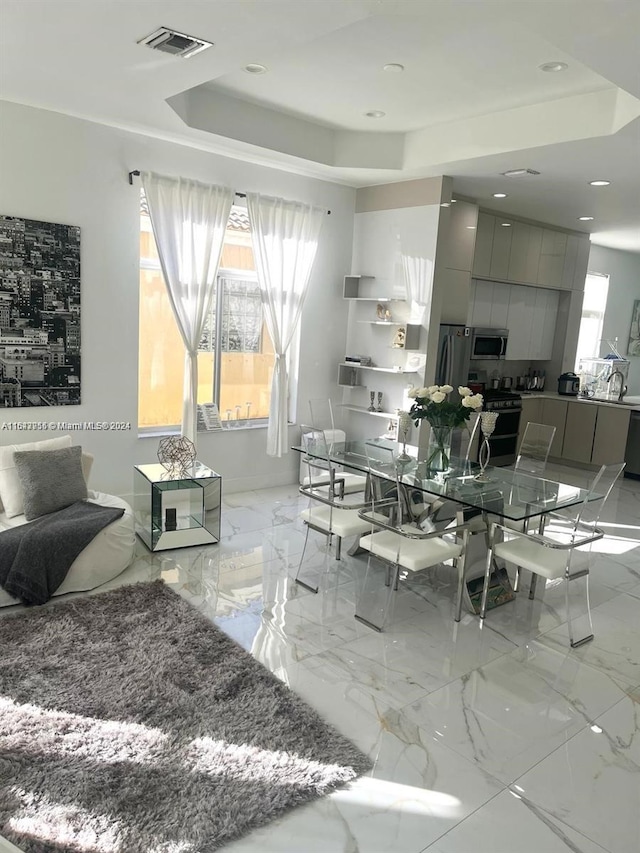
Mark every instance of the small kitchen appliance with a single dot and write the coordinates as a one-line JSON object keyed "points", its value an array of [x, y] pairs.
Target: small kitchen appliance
{"points": [[569, 384]]}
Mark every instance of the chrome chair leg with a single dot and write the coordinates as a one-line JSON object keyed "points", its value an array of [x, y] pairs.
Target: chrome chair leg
{"points": [[532, 586], [485, 588], [516, 579], [338, 546], [460, 564]]}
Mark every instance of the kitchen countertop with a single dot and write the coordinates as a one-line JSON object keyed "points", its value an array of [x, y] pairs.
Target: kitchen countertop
{"points": [[631, 403]]}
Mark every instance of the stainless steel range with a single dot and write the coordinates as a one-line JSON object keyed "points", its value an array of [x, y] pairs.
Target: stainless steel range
{"points": [[504, 441]]}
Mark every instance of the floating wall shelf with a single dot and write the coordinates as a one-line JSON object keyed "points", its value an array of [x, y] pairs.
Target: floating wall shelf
{"points": [[354, 283]]}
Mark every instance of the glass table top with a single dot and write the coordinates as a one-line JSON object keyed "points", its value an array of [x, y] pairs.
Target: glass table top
{"points": [[513, 494]]}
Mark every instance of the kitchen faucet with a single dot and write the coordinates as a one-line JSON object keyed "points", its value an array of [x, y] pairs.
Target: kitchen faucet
{"points": [[622, 390]]}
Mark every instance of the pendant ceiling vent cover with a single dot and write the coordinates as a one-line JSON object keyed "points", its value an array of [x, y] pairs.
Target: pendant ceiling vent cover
{"points": [[178, 44]]}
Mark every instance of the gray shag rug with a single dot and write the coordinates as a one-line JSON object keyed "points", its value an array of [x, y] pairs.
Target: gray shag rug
{"points": [[130, 724]]}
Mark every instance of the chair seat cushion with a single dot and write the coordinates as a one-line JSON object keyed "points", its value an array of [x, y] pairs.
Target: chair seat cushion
{"points": [[550, 563], [415, 554], [342, 522]]}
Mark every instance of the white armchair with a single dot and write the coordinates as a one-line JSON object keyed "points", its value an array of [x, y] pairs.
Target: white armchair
{"points": [[108, 553]]}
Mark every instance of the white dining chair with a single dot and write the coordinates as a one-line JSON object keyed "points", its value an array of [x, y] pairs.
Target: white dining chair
{"points": [[398, 542], [562, 550], [322, 418], [332, 511]]}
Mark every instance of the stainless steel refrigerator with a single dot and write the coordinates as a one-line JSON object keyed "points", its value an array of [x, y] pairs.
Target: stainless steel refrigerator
{"points": [[454, 357]]}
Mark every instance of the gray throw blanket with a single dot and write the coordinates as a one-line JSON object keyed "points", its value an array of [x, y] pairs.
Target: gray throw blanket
{"points": [[35, 557]]}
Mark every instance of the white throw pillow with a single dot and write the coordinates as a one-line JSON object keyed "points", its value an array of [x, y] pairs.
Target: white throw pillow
{"points": [[10, 486]]}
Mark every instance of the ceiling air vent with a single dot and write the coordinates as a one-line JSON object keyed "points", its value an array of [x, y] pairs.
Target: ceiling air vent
{"points": [[178, 44]]}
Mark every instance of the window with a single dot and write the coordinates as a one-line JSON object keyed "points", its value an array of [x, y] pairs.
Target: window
{"points": [[594, 304], [235, 361]]}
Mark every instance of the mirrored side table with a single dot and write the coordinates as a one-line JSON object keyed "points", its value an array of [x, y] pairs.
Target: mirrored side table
{"points": [[177, 510]]}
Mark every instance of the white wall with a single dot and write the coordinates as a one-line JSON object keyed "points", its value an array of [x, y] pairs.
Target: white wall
{"points": [[61, 169], [623, 269], [380, 239]]}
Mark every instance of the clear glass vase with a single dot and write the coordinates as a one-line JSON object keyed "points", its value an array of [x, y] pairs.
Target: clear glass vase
{"points": [[439, 449]]}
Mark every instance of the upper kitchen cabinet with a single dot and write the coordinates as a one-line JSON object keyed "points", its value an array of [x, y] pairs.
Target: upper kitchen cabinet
{"points": [[508, 249], [501, 251], [552, 255], [459, 245], [484, 245], [524, 258]]}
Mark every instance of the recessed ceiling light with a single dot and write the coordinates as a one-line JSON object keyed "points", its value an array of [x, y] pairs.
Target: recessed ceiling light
{"points": [[471, 227], [585, 218], [599, 183], [506, 224], [553, 67], [446, 204], [499, 195], [454, 200], [375, 114], [515, 173], [393, 67], [255, 68]]}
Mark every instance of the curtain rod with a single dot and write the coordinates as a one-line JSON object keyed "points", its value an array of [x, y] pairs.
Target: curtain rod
{"points": [[239, 195]]}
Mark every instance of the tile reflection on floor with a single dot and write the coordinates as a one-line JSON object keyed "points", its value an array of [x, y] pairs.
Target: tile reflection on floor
{"points": [[492, 739]]}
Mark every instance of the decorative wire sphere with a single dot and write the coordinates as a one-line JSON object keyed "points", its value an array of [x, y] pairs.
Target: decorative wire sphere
{"points": [[176, 453]]}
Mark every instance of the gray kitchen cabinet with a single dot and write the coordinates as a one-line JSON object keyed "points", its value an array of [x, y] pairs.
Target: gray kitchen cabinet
{"points": [[579, 429], [484, 245], [459, 245], [531, 413], [582, 263], [585, 432], [501, 250], [610, 437], [507, 249], [524, 256], [552, 256], [554, 413]]}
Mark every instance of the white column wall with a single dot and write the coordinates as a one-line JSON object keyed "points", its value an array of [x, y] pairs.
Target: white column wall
{"points": [[61, 169]]}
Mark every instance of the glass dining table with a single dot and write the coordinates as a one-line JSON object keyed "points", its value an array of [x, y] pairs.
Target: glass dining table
{"points": [[512, 494]]}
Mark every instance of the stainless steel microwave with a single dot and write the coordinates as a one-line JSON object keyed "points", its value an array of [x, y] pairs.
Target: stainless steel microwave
{"points": [[488, 343]]}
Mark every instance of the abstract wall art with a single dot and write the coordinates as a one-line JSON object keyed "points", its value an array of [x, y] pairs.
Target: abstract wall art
{"points": [[39, 313]]}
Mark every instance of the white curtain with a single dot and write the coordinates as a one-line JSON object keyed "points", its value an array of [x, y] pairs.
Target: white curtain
{"points": [[417, 272], [189, 221], [285, 240]]}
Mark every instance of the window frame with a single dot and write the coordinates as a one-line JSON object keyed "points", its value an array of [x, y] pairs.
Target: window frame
{"points": [[151, 264]]}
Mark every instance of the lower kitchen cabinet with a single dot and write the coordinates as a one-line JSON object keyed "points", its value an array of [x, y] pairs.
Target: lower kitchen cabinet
{"points": [[554, 413], [579, 431], [610, 437], [531, 412], [585, 432]]}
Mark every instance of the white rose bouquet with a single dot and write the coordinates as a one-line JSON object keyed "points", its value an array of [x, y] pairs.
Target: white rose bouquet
{"points": [[432, 403]]}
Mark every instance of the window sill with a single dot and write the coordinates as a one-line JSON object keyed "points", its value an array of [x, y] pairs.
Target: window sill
{"points": [[165, 432]]}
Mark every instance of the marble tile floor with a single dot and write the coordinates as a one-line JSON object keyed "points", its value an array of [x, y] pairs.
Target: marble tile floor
{"points": [[485, 739]]}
